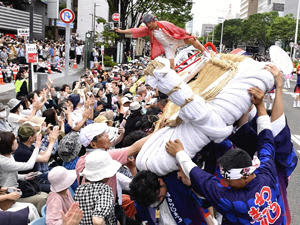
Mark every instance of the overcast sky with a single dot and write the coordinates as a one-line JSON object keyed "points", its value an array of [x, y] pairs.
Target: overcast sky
{"points": [[208, 11]]}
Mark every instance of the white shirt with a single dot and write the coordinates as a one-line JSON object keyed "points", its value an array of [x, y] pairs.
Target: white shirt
{"points": [[78, 50], [166, 217], [14, 120], [170, 44], [76, 116]]}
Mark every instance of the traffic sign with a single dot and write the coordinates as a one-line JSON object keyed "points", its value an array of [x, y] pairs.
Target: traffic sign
{"points": [[67, 15], [24, 32], [31, 53], [116, 17], [102, 49]]}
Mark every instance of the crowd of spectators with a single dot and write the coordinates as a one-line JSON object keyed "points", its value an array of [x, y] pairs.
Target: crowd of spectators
{"points": [[51, 56], [68, 152]]}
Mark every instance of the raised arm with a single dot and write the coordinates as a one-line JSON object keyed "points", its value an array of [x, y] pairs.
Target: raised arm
{"points": [[278, 107], [127, 31], [11, 165]]}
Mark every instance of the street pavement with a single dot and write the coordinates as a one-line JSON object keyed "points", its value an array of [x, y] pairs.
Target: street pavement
{"points": [[7, 91], [293, 116]]}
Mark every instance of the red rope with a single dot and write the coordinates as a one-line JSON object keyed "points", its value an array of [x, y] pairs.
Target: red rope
{"points": [[187, 59], [189, 65]]}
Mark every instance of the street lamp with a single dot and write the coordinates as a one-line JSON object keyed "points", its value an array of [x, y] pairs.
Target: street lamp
{"points": [[296, 32], [94, 18], [222, 29]]}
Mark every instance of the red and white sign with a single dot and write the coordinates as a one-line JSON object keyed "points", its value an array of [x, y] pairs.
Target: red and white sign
{"points": [[102, 49], [23, 32], [116, 17], [31, 53], [67, 15]]}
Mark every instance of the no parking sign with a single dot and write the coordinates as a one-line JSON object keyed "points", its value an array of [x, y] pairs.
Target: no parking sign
{"points": [[67, 15]]}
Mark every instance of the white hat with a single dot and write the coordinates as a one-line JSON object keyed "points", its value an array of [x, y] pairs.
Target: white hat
{"points": [[134, 106], [129, 96], [90, 131], [60, 178], [36, 121], [13, 103], [113, 133], [125, 100], [99, 165]]}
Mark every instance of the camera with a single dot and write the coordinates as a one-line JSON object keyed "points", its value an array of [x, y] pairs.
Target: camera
{"points": [[82, 84]]}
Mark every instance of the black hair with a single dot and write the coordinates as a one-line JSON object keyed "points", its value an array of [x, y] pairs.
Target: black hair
{"points": [[23, 100], [235, 158], [57, 88], [133, 137], [15, 109], [153, 111], [6, 142], [50, 116], [63, 88], [146, 122], [74, 84], [30, 97], [162, 96], [19, 74], [145, 188]]}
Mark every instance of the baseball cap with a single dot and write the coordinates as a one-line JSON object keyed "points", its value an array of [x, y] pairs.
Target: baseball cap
{"points": [[26, 131], [148, 18]]}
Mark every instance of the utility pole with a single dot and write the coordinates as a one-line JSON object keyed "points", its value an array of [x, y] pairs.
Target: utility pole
{"points": [[213, 35], [221, 41], [67, 42], [120, 44], [94, 20], [296, 32], [31, 80]]}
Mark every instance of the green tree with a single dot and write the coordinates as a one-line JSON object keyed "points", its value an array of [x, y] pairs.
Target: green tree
{"points": [[107, 34], [177, 12], [232, 32], [282, 28], [255, 29]]}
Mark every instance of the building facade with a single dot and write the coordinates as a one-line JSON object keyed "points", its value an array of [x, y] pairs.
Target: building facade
{"points": [[291, 7], [13, 19], [86, 20], [250, 7]]}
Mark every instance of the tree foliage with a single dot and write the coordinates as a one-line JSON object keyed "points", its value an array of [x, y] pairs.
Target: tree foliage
{"points": [[282, 28], [177, 12], [232, 33], [256, 26], [258, 30], [108, 35]]}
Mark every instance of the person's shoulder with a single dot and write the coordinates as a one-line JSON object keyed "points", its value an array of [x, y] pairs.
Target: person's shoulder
{"points": [[22, 152], [53, 196], [163, 22]]}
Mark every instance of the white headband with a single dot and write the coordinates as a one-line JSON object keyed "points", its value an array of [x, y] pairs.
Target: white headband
{"points": [[234, 174]]}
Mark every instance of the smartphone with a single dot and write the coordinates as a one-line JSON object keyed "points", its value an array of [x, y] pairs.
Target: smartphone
{"points": [[35, 174], [11, 189]]}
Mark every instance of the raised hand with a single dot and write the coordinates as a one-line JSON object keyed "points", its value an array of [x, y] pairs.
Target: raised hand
{"points": [[257, 95], [173, 147], [277, 75], [73, 216]]}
